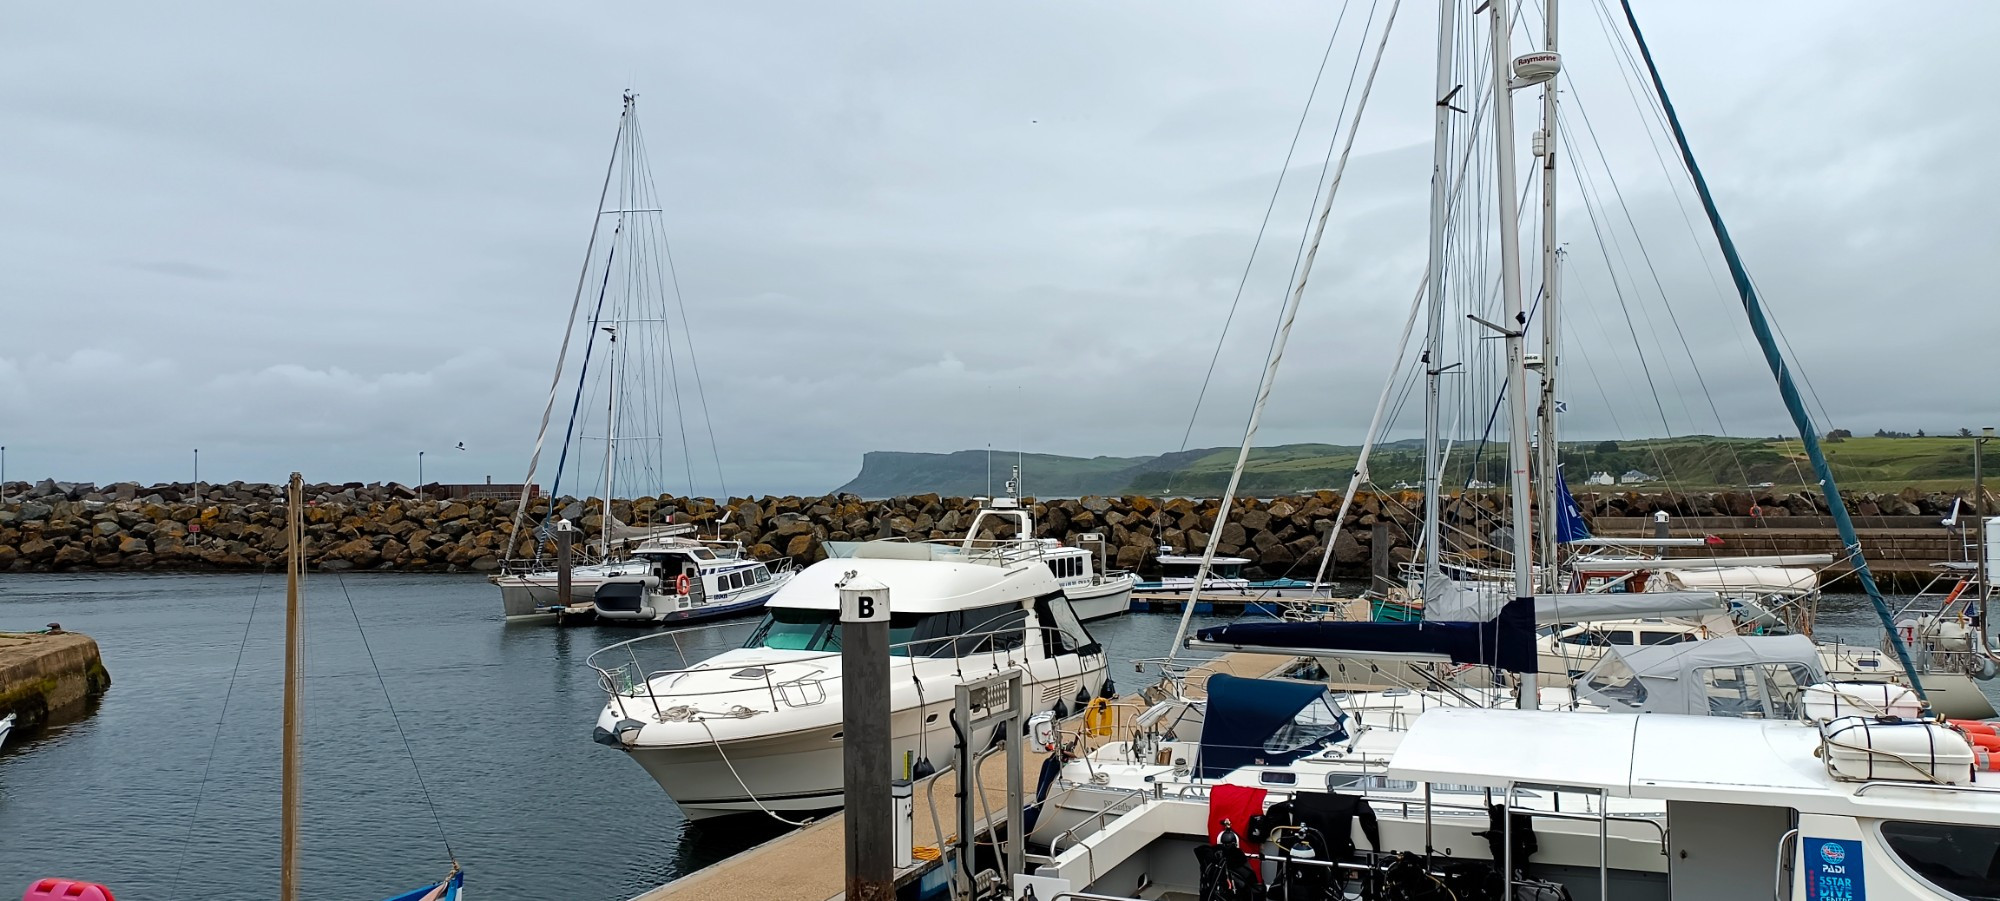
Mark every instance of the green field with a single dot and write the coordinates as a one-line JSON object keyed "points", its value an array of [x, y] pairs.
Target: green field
{"points": [[1694, 463]]}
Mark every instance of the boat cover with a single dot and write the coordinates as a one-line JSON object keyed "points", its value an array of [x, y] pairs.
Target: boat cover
{"points": [[1735, 675], [1506, 641], [1257, 722], [1450, 600]]}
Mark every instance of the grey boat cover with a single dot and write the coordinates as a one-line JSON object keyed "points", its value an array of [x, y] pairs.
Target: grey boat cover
{"points": [[1737, 675], [1449, 600]]}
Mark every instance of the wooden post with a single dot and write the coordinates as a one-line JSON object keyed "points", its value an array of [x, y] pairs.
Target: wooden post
{"points": [[295, 660], [1381, 563], [565, 537], [865, 764]]}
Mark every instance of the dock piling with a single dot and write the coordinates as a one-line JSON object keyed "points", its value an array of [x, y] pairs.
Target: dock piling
{"points": [[864, 670]]}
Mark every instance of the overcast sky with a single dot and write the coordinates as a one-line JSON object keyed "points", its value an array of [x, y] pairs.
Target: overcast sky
{"points": [[326, 239]]}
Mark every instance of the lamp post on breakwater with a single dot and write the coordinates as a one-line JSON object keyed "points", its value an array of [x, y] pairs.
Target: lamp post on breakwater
{"points": [[420, 474]]}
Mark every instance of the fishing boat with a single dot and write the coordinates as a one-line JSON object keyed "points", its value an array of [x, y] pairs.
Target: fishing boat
{"points": [[759, 728], [6, 726], [627, 392]]}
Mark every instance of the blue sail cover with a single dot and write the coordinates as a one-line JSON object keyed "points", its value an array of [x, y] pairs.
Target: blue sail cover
{"points": [[451, 887], [1569, 517], [1243, 717], [1506, 641]]}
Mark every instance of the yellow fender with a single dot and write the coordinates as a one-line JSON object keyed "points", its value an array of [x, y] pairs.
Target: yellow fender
{"points": [[1097, 717]]}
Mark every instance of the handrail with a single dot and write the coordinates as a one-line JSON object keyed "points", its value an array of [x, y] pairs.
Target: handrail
{"points": [[638, 678]]}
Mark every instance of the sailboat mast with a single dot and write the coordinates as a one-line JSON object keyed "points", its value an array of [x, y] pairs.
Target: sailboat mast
{"points": [[1433, 357], [611, 433], [1760, 326], [1545, 146], [1516, 323], [288, 882]]}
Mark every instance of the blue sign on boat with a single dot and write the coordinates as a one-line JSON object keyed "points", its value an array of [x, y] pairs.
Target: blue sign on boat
{"points": [[1833, 870]]}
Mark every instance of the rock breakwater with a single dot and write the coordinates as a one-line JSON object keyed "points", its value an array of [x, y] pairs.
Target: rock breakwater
{"points": [[52, 526]]}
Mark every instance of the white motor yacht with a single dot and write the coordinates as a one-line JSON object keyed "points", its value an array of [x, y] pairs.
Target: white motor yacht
{"points": [[759, 727], [685, 580]]}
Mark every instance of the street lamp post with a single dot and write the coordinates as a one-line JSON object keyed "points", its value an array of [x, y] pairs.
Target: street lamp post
{"points": [[197, 477], [420, 473]]}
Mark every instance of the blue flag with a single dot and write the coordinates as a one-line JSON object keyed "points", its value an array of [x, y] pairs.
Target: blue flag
{"points": [[1569, 517]]}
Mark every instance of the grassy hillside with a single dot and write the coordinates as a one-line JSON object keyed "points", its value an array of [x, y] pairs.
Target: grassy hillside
{"points": [[1693, 463]]}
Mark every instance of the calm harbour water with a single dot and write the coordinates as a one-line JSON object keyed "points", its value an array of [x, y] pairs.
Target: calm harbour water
{"points": [[161, 795]]}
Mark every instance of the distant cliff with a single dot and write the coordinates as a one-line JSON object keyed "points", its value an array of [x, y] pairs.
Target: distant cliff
{"points": [[1688, 463]]}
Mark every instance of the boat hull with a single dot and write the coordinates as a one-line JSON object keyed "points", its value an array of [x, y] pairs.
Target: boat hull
{"points": [[1099, 601], [661, 608], [801, 771]]}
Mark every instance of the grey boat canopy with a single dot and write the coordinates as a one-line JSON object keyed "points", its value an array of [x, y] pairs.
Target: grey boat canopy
{"points": [[1448, 600], [1737, 675]]}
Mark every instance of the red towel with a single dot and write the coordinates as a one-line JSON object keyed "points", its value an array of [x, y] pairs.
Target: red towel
{"points": [[1237, 804]]}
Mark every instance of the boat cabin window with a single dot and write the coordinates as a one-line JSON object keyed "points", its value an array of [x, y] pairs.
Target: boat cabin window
{"points": [[763, 573], [1963, 861], [1615, 680], [1589, 638], [920, 634], [792, 629], [1066, 567], [1062, 632], [702, 553], [1731, 690], [1652, 638], [957, 633]]}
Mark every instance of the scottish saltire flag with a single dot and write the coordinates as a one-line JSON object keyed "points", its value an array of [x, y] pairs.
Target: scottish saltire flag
{"points": [[1569, 517]]}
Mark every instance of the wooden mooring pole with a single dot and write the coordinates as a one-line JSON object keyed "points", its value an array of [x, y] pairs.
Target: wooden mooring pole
{"points": [[865, 765]]}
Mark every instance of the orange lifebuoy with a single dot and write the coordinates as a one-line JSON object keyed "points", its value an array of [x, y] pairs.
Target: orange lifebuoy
{"points": [[1756, 511], [682, 585]]}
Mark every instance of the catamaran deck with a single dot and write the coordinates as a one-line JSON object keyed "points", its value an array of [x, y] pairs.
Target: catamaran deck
{"points": [[809, 864]]}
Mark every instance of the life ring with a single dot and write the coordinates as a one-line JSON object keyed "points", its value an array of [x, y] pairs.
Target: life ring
{"points": [[1756, 511], [682, 585]]}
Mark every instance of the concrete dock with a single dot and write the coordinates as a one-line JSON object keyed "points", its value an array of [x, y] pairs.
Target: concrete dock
{"points": [[808, 865], [48, 676]]}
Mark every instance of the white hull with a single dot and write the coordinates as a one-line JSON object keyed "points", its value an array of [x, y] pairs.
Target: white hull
{"points": [[800, 770], [6, 726], [523, 594], [1109, 598]]}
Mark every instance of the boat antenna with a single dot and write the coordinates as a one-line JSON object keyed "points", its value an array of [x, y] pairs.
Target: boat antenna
{"points": [[1761, 327]]}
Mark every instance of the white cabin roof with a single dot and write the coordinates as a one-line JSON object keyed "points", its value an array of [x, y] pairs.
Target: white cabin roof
{"points": [[919, 585], [1669, 758]]}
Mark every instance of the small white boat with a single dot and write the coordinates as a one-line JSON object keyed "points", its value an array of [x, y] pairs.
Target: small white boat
{"points": [[685, 580], [6, 726], [1093, 591]]}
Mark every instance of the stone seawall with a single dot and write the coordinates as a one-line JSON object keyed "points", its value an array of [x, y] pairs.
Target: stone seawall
{"points": [[48, 676], [51, 526]]}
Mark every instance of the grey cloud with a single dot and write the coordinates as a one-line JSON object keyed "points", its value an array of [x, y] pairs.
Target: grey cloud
{"points": [[330, 239]]}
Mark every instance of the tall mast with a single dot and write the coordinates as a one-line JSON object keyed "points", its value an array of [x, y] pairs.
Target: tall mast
{"points": [[1545, 146], [1510, 289], [295, 658], [611, 432], [1780, 370], [1434, 338]]}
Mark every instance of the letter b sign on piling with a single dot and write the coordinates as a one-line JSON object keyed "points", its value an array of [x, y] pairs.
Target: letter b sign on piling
{"points": [[863, 600]]}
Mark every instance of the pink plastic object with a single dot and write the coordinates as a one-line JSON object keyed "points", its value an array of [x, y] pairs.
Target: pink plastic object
{"points": [[67, 890]]}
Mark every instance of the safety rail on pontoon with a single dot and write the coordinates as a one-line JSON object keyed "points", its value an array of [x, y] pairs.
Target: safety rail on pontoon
{"points": [[633, 681]]}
